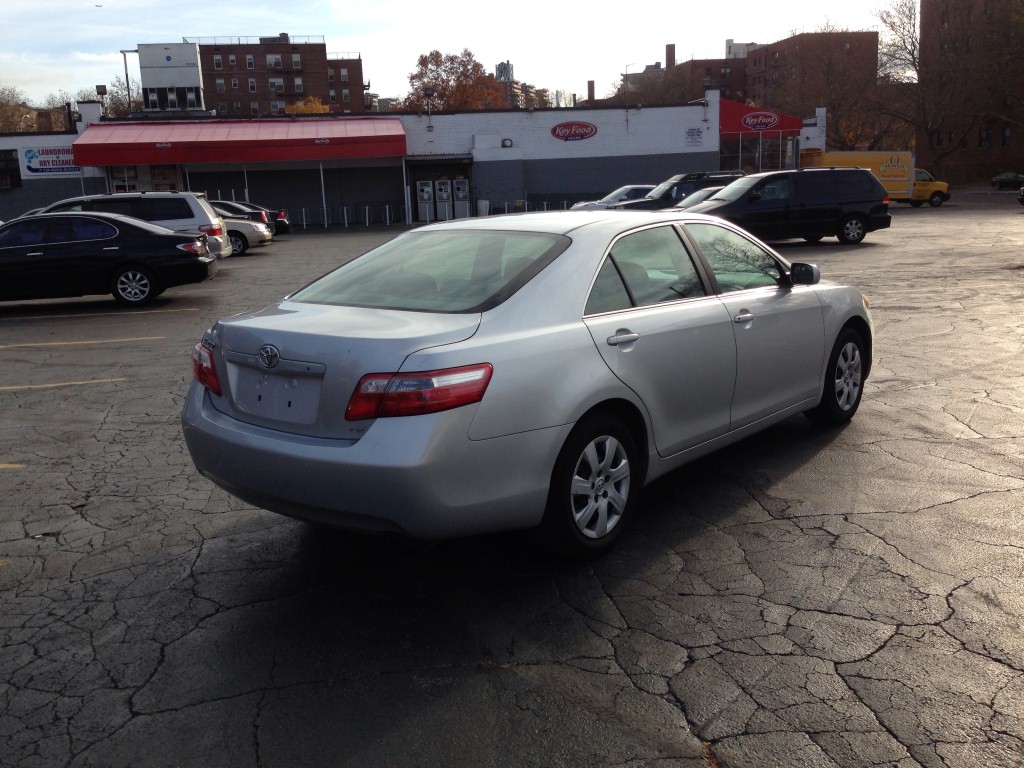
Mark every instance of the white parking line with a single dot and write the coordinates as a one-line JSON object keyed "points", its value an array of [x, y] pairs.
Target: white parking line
{"points": [[12, 466], [80, 343], [60, 384]]}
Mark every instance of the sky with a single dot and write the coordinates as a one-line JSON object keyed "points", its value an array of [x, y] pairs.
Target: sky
{"points": [[49, 46]]}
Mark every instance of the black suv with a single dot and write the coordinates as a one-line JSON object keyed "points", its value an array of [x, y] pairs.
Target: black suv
{"points": [[811, 203], [672, 190]]}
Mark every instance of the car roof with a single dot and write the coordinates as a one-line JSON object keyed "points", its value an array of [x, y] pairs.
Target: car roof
{"points": [[564, 222]]}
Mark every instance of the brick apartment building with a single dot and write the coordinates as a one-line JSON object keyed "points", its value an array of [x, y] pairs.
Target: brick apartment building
{"points": [[249, 77]]}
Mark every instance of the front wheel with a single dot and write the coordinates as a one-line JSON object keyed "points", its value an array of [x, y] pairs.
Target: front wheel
{"points": [[936, 199], [239, 244], [852, 231], [844, 381], [134, 286], [593, 489]]}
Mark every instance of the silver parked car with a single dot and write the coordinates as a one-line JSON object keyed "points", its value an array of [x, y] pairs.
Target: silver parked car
{"points": [[525, 371], [244, 233], [620, 195]]}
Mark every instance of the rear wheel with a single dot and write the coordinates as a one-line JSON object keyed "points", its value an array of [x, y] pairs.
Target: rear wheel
{"points": [[133, 285], [936, 199], [852, 231], [239, 245], [844, 381], [593, 489]]}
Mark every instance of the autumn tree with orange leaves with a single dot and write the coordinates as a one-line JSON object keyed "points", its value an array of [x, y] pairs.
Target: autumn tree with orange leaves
{"points": [[457, 82]]}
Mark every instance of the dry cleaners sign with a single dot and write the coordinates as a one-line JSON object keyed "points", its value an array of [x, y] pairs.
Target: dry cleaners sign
{"points": [[48, 161]]}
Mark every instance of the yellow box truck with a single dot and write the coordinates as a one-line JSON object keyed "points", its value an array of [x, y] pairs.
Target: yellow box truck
{"points": [[896, 171]]}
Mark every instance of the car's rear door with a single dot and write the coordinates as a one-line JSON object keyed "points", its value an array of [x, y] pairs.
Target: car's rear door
{"points": [[661, 334]]}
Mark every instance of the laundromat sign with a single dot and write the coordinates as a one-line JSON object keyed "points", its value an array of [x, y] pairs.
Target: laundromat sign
{"points": [[48, 161], [574, 130]]}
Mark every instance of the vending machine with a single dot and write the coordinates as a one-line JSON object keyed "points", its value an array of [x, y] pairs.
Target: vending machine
{"points": [[443, 192], [461, 193], [425, 200]]}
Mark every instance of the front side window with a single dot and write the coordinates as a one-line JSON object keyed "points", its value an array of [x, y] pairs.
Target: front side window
{"points": [[19, 233], [736, 262], [464, 271], [775, 189]]}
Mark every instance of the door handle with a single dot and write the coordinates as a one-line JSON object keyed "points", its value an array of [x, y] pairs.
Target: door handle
{"points": [[623, 336], [35, 253], [744, 317]]}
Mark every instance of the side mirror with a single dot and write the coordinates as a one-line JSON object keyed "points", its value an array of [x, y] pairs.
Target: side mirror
{"points": [[754, 196], [804, 274]]}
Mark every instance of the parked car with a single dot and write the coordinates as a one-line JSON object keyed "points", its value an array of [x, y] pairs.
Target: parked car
{"points": [[627, 192], [277, 218], [1020, 196], [1008, 180], [811, 203], [674, 189], [245, 233], [697, 197], [180, 211], [56, 255], [523, 371]]}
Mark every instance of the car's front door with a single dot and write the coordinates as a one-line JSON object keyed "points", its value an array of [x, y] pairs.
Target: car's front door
{"points": [[24, 271], [779, 328], [665, 337]]}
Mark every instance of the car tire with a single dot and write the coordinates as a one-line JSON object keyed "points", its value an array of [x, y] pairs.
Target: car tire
{"points": [[936, 199], [852, 230], [844, 381], [593, 489], [239, 245], [134, 285]]}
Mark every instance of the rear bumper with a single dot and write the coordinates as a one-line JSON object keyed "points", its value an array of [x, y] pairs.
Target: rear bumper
{"points": [[420, 475]]}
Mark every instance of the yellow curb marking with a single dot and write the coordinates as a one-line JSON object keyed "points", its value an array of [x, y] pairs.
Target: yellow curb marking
{"points": [[61, 384], [80, 343]]}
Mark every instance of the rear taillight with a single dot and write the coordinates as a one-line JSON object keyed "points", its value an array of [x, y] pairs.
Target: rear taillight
{"points": [[282, 215], [379, 395], [197, 247], [203, 369], [212, 230]]}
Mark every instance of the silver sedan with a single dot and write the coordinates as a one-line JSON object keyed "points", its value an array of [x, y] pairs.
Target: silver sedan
{"points": [[525, 371]]}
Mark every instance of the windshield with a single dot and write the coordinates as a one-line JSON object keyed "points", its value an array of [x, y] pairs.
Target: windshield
{"points": [[737, 189], [612, 197], [440, 271]]}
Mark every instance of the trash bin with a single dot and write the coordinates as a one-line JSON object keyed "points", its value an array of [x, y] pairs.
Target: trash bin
{"points": [[483, 207]]}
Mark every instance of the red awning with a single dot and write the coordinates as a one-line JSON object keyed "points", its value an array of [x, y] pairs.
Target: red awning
{"points": [[736, 118], [239, 141]]}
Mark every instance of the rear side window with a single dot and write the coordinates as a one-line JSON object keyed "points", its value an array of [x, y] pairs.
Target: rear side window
{"points": [[165, 208], [124, 206], [456, 271], [85, 228]]}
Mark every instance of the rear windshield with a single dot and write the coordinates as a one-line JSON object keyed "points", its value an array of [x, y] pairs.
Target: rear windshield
{"points": [[456, 271]]}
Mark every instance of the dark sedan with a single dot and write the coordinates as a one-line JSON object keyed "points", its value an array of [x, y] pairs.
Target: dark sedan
{"points": [[59, 255], [276, 218], [1008, 180]]}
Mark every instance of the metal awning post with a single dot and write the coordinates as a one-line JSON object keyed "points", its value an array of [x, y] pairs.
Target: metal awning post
{"points": [[323, 193]]}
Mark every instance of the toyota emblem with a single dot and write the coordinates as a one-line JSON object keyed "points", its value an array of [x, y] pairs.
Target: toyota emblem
{"points": [[269, 356]]}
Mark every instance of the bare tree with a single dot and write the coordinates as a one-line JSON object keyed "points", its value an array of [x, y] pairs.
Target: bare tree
{"points": [[453, 82], [12, 109]]}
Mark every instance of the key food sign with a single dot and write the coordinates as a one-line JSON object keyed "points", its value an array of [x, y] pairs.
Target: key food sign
{"points": [[574, 130]]}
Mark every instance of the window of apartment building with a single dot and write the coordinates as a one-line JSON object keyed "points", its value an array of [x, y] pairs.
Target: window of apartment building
{"points": [[296, 61], [330, 75], [332, 95], [220, 84], [218, 62], [985, 137], [276, 107], [1006, 136], [343, 72], [276, 84], [345, 96], [254, 107], [298, 85], [273, 61], [252, 85], [172, 98], [726, 71], [237, 106], [222, 108], [234, 83], [250, 63], [231, 59]]}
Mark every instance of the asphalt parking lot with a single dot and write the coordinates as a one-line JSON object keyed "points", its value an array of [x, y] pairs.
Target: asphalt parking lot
{"points": [[803, 598]]}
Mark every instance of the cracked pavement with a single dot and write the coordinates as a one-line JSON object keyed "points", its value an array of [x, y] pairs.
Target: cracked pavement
{"points": [[851, 598]]}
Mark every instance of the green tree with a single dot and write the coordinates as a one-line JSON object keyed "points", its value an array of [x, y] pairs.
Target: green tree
{"points": [[12, 108], [456, 82]]}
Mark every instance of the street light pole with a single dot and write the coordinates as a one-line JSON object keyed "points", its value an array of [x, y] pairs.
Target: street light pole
{"points": [[127, 84]]}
